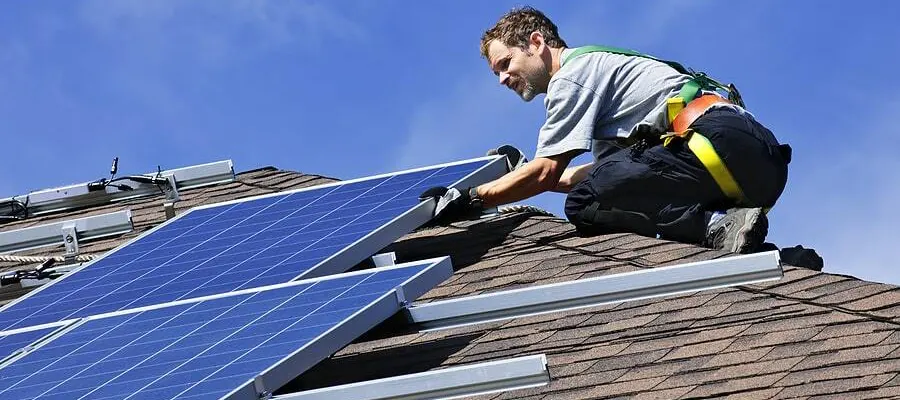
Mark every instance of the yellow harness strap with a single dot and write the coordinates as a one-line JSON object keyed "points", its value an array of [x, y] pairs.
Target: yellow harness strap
{"points": [[701, 146]]}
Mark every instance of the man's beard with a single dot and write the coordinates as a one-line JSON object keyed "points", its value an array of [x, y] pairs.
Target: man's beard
{"points": [[529, 92], [532, 82]]}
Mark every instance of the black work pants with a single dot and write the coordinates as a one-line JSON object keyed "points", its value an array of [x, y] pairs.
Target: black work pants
{"points": [[666, 191]]}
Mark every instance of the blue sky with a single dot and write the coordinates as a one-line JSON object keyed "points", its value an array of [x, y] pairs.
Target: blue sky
{"points": [[352, 88]]}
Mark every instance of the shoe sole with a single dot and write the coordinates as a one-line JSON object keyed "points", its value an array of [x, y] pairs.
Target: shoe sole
{"points": [[752, 232]]}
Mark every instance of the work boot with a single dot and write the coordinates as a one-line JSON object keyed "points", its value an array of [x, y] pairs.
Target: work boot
{"points": [[740, 230]]}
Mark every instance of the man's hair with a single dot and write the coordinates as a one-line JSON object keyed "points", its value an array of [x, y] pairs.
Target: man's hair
{"points": [[516, 26]]}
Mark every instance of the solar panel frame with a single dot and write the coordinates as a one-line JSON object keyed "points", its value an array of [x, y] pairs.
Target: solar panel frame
{"points": [[349, 255], [25, 338], [431, 272]]}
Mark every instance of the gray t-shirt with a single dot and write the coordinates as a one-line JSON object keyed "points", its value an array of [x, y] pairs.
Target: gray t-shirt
{"points": [[597, 97]]}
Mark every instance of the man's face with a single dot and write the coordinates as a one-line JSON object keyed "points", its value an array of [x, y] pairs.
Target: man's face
{"points": [[522, 71]]}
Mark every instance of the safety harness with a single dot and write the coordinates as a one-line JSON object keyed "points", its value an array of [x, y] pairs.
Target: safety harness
{"points": [[684, 109]]}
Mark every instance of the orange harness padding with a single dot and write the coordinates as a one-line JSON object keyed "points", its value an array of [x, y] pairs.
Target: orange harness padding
{"points": [[694, 110]]}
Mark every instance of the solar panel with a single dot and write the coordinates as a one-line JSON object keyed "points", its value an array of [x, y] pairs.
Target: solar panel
{"points": [[222, 346], [249, 243], [12, 342]]}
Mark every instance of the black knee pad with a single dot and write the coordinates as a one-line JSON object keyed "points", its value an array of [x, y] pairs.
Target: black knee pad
{"points": [[594, 220]]}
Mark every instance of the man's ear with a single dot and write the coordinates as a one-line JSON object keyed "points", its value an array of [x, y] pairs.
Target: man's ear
{"points": [[536, 41]]}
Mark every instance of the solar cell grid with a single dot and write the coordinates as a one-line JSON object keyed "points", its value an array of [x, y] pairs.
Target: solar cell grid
{"points": [[239, 245], [208, 348]]}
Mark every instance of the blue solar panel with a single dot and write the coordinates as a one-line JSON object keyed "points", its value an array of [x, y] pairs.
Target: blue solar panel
{"points": [[248, 243], [11, 343], [208, 348]]}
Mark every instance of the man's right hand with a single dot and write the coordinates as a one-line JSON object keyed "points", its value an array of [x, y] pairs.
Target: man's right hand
{"points": [[515, 159]]}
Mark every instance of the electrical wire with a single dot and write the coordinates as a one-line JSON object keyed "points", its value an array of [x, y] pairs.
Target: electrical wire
{"points": [[18, 210]]}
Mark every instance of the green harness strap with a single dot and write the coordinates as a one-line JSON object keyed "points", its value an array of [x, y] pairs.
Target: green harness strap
{"points": [[699, 81]]}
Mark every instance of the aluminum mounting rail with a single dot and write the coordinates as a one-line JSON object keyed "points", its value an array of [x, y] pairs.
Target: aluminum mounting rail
{"points": [[67, 232], [643, 284], [84, 195], [453, 382]]}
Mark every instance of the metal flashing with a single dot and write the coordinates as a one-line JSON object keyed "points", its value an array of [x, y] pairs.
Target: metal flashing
{"points": [[636, 285], [67, 232], [449, 383]]}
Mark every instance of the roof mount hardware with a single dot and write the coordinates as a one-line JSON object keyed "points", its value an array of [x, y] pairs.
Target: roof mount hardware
{"points": [[260, 387], [635, 285], [171, 189], [384, 259], [105, 191], [466, 380], [70, 239], [69, 232]]}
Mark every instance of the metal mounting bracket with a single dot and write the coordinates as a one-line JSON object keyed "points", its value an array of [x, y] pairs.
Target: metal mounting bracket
{"points": [[70, 239], [171, 189], [260, 388], [385, 259]]}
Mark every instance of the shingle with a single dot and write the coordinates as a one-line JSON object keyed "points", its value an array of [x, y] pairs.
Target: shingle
{"points": [[699, 349], [836, 386], [866, 339], [629, 360], [881, 393], [607, 390], [737, 357], [863, 291], [829, 290], [612, 245], [818, 362], [572, 368], [793, 349], [841, 366], [592, 378], [677, 254], [891, 313], [722, 388], [773, 338], [669, 304], [756, 304], [691, 314], [762, 394], [640, 345], [666, 394], [810, 282], [752, 317], [663, 368]]}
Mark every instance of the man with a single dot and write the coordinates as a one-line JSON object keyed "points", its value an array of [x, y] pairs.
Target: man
{"points": [[601, 101]]}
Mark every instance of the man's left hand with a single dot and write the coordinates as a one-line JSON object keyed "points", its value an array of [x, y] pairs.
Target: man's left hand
{"points": [[451, 204]]}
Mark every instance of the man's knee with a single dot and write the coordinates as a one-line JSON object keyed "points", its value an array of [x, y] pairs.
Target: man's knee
{"points": [[595, 219]]}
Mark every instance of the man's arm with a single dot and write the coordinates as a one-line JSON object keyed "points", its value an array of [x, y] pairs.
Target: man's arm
{"points": [[572, 176], [535, 177]]}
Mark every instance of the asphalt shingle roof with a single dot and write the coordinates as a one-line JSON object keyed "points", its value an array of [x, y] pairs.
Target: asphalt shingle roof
{"points": [[808, 335]]}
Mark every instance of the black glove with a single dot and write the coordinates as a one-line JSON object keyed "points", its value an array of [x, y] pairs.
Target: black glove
{"points": [[451, 204], [515, 159]]}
